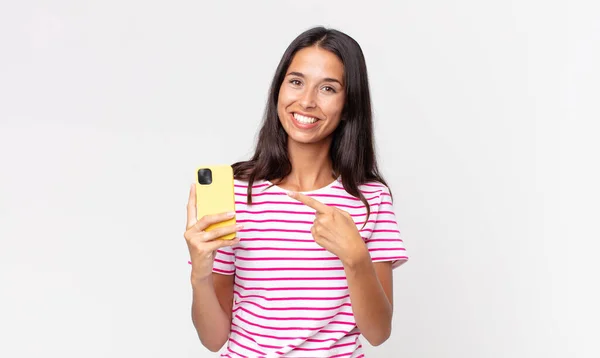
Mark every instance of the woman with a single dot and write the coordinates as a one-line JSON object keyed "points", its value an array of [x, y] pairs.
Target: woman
{"points": [[311, 268]]}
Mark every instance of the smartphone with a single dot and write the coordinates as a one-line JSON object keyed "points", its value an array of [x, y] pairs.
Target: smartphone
{"points": [[215, 194]]}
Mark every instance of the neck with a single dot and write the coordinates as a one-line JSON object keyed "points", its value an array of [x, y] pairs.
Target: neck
{"points": [[311, 166]]}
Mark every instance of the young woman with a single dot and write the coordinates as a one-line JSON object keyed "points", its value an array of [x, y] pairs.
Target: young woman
{"points": [[317, 238]]}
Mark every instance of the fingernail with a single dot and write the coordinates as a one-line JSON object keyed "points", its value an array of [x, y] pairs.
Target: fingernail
{"points": [[291, 193], [231, 214], [239, 226]]}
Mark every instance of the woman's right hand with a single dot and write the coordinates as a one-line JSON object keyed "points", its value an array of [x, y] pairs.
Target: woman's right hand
{"points": [[203, 245]]}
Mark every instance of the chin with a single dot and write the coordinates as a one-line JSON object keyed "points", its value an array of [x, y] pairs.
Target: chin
{"points": [[304, 139], [301, 139]]}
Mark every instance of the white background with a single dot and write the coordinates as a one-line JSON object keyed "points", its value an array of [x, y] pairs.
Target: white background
{"points": [[486, 121]]}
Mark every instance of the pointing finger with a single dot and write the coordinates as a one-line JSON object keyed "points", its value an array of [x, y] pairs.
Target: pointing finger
{"points": [[310, 202]]}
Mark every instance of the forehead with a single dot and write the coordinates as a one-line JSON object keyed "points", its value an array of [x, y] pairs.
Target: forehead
{"points": [[318, 63]]}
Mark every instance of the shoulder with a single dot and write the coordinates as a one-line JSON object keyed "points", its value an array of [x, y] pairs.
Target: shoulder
{"points": [[373, 191], [242, 185], [374, 188]]}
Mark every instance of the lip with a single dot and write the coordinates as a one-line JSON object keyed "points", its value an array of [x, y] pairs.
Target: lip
{"points": [[303, 125]]}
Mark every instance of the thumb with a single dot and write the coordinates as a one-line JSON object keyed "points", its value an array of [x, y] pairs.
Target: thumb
{"points": [[191, 208]]}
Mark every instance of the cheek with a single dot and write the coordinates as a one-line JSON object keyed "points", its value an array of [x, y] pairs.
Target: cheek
{"points": [[281, 103], [334, 107], [284, 98]]}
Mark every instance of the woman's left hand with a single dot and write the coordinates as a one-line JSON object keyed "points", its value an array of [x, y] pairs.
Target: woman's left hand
{"points": [[335, 231]]}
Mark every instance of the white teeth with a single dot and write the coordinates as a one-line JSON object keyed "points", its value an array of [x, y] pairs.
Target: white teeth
{"points": [[303, 119]]}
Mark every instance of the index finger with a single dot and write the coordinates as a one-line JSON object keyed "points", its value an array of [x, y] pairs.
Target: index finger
{"points": [[310, 202], [191, 207]]}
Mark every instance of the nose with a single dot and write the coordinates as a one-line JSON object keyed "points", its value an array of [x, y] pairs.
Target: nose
{"points": [[308, 99]]}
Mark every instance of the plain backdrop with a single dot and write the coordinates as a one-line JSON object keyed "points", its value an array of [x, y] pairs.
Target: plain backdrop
{"points": [[485, 120]]}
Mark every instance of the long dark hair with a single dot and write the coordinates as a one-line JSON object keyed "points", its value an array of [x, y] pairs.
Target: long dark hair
{"points": [[352, 149]]}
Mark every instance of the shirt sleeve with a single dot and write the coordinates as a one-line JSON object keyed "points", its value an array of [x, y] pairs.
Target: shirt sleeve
{"points": [[224, 263], [385, 242]]}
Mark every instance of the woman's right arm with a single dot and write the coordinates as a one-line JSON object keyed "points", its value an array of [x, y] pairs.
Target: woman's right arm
{"points": [[211, 309], [212, 293]]}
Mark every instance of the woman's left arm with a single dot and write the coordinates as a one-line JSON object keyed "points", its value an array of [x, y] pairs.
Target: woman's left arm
{"points": [[369, 284], [371, 293]]}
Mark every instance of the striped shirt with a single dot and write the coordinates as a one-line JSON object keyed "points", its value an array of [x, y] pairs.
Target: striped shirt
{"points": [[291, 296]]}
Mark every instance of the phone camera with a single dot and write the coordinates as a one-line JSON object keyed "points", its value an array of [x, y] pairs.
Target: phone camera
{"points": [[205, 176]]}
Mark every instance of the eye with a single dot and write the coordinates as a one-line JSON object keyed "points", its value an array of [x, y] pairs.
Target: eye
{"points": [[329, 89], [295, 82]]}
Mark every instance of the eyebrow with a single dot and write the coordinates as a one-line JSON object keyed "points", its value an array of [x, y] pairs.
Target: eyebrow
{"points": [[327, 79]]}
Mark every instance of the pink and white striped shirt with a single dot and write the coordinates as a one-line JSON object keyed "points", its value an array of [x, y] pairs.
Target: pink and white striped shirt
{"points": [[291, 296]]}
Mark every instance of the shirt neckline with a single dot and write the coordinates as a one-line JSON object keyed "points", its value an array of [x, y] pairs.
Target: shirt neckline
{"points": [[315, 191]]}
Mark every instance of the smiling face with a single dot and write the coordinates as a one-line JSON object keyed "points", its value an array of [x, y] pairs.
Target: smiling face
{"points": [[312, 96]]}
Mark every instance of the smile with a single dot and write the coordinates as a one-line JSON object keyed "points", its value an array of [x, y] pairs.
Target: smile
{"points": [[304, 119]]}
